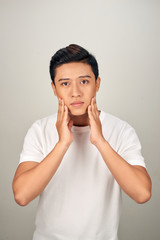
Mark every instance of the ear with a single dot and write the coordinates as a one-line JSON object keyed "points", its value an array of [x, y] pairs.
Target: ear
{"points": [[54, 89], [98, 81]]}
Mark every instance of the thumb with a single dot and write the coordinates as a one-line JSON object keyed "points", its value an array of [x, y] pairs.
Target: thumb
{"points": [[70, 124], [89, 123]]}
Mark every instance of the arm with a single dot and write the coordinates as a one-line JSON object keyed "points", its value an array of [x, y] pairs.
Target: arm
{"points": [[31, 178], [134, 180]]}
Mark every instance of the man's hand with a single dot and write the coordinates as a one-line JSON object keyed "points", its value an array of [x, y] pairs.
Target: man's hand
{"points": [[31, 177], [94, 123], [64, 124]]}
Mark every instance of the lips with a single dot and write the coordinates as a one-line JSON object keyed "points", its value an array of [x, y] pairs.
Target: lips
{"points": [[77, 103]]}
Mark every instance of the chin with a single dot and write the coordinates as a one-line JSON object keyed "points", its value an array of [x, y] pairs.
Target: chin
{"points": [[78, 112]]}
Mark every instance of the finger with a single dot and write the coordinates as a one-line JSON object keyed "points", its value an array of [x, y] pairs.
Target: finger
{"points": [[95, 104], [60, 110], [94, 107], [90, 113], [66, 117]]}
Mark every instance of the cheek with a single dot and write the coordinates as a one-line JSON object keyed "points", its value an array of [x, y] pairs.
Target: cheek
{"points": [[61, 95], [66, 102], [90, 99]]}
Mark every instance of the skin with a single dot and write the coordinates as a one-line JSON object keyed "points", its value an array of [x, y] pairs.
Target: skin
{"points": [[134, 180], [31, 178], [76, 82]]}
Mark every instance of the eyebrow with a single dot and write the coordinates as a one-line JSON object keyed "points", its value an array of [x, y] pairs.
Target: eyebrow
{"points": [[64, 79]]}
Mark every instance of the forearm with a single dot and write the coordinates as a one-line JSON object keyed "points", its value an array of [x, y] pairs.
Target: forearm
{"points": [[132, 180], [32, 182]]}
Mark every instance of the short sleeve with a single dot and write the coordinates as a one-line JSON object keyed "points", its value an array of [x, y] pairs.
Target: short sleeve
{"points": [[130, 146], [32, 146]]}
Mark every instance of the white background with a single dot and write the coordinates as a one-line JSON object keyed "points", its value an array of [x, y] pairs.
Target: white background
{"points": [[124, 36]]}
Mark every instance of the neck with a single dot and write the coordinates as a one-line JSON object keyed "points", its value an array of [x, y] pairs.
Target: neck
{"points": [[80, 120]]}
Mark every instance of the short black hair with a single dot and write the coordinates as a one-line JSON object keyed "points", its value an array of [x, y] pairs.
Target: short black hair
{"points": [[72, 53]]}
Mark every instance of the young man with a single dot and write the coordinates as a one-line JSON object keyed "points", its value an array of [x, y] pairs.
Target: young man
{"points": [[79, 159]]}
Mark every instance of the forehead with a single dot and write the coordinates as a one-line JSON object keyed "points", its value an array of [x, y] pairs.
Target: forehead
{"points": [[73, 70]]}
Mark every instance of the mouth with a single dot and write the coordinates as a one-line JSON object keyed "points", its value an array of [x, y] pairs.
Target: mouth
{"points": [[77, 104]]}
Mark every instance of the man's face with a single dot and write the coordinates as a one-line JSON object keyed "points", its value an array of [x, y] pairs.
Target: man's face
{"points": [[75, 82]]}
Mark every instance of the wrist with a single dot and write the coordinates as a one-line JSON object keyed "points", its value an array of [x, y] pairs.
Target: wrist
{"points": [[63, 144], [101, 141]]}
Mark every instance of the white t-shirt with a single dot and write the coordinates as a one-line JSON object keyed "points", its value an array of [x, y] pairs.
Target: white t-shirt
{"points": [[83, 200]]}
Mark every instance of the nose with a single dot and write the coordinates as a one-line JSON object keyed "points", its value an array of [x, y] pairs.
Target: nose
{"points": [[76, 92]]}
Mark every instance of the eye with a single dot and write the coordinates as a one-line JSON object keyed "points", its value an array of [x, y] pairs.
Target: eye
{"points": [[84, 81], [65, 83]]}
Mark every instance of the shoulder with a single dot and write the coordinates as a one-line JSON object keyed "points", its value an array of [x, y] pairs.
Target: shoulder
{"points": [[112, 121], [43, 125], [116, 126], [45, 121], [51, 119]]}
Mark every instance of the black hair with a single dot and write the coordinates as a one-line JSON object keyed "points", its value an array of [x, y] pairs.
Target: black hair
{"points": [[72, 53]]}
